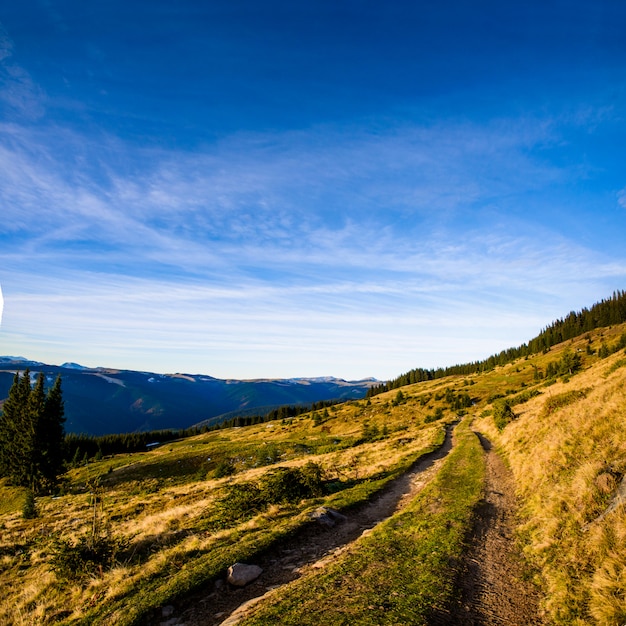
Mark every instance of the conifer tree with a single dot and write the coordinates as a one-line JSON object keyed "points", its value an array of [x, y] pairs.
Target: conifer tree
{"points": [[32, 434], [52, 442], [8, 421]]}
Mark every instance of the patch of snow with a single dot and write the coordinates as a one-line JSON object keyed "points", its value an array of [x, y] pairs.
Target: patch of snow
{"points": [[73, 366], [109, 379]]}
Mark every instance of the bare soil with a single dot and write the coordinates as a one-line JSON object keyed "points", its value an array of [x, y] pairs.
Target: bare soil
{"points": [[494, 583], [314, 547]]}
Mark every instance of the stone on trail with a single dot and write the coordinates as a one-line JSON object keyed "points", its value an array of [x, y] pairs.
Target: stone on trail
{"points": [[327, 517], [241, 574]]}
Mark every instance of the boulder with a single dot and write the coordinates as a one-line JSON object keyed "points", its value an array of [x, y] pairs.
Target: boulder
{"points": [[327, 517], [241, 574]]}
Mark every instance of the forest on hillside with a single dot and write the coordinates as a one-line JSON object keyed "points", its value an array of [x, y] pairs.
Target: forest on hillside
{"points": [[607, 312]]}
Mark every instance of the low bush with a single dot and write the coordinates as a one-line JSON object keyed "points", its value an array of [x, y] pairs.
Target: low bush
{"points": [[86, 557], [433, 417], [525, 396], [29, 509], [563, 399], [278, 486], [502, 414], [224, 468]]}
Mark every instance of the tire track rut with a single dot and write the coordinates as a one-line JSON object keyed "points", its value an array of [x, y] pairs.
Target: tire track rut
{"points": [[494, 582]]}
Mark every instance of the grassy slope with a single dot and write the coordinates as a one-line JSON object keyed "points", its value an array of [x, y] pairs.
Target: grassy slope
{"points": [[160, 503], [567, 450], [401, 573], [567, 463]]}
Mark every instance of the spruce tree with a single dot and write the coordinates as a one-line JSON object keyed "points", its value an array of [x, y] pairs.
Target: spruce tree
{"points": [[52, 442], [14, 438], [31, 434]]}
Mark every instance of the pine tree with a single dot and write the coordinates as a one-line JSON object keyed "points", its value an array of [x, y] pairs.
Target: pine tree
{"points": [[30, 471], [31, 434], [52, 442], [8, 420]]}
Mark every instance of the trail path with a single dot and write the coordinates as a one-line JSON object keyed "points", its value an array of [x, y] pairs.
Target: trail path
{"points": [[313, 547], [494, 584]]}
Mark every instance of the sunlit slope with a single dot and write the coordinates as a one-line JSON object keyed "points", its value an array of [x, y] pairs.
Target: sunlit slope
{"points": [[164, 522], [567, 449], [168, 521]]}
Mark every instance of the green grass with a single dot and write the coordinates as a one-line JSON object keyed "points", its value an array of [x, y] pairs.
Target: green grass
{"points": [[403, 572], [186, 570], [565, 446]]}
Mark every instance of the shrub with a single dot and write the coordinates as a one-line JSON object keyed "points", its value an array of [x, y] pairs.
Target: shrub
{"points": [[525, 396], [370, 432], [29, 509], [224, 468], [281, 485], [242, 500], [288, 484], [433, 417], [399, 399], [312, 476], [87, 557], [284, 485], [502, 414], [563, 399], [268, 454]]}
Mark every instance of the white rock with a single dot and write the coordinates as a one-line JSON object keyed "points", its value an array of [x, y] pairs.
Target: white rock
{"points": [[241, 574], [327, 517]]}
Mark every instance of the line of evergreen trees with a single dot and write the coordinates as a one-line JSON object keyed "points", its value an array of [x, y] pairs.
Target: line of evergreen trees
{"points": [[281, 413], [32, 434], [80, 448], [604, 313]]}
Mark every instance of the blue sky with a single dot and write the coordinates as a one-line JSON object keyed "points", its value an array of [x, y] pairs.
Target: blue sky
{"points": [[280, 189]]}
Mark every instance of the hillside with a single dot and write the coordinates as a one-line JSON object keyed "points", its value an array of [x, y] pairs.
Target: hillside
{"points": [[103, 401], [148, 537]]}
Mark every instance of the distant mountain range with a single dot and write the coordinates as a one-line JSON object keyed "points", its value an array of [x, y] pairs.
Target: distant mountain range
{"points": [[101, 401]]}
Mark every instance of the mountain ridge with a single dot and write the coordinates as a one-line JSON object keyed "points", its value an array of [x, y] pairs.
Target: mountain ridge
{"points": [[104, 400]]}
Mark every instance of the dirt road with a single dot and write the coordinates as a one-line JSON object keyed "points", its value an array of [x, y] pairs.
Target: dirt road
{"points": [[494, 583], [494, 587], [312, 548]]}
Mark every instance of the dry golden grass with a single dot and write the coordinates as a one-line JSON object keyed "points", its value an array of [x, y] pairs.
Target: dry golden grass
{"points": [[568, 463], [160, 519]]}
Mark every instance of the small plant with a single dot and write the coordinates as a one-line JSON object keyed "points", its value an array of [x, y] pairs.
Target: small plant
{"points": [[224, 468], [29, 508], [399, 399], [433, 417], [284, 485], [563, 399], [278, 486], [87, 557], [502, 414], [525, 396], [268, 454], [369, 432]]}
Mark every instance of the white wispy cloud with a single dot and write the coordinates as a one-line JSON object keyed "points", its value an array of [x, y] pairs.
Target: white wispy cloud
{"points": [[18, 91], [287, 254]]}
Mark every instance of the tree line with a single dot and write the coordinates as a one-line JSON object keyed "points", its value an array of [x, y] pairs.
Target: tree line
{"points": [[32, 434], [80, 448], [607, 312]]}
